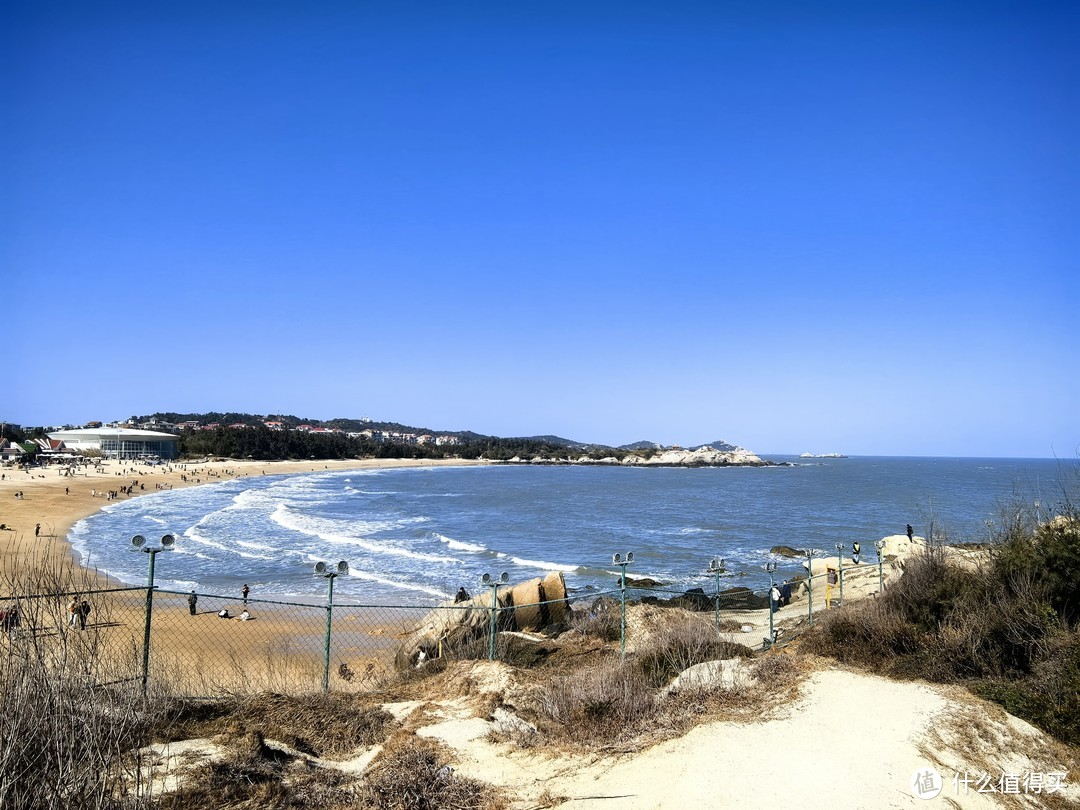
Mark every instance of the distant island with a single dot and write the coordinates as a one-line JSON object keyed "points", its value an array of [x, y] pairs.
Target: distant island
{"points": [[822, 455]]}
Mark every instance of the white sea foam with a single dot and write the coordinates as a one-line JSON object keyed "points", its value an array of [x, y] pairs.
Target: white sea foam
{"points": [[410, 586], [458, 545], [546, 566], [330, 532], [195, 536]]}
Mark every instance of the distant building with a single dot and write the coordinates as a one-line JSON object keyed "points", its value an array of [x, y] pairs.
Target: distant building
{"points": [[119, 442]]}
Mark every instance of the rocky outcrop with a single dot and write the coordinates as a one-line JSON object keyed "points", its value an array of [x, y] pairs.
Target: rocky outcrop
{"points": [[531, 605], [701, 457]]}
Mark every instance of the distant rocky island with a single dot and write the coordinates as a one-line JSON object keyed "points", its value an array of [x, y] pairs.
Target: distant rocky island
{"points": [[705, 456], [822, 455]]}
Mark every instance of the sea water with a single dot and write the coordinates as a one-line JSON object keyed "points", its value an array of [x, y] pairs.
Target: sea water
{"points": [[415, 535]]}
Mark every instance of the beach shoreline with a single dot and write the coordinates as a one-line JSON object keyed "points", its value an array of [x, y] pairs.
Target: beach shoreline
{"points": [[42, 505]]}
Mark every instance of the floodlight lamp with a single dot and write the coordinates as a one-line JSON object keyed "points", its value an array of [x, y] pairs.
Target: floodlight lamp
{"points": [[320, 568], [770, 567], [504, 577], [138, 540], [486, 579], [343, 567], [617, 559], [629, 556], [879, 544], [168, 540], [839, 546]]}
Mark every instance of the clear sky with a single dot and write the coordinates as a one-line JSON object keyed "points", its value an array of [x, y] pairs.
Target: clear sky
{"points": [[795, 226]]}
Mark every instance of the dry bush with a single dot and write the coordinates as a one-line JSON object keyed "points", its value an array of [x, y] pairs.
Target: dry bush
{"points": [[322, 725], [413, 774], [602, 704], [256, 777], [602, 619], [679, 644], [72, 708], [1008, 631]]}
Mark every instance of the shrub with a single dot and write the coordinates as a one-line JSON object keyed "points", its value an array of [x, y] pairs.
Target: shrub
{"points": [[677, 646], [600, 705], [414, 775]]}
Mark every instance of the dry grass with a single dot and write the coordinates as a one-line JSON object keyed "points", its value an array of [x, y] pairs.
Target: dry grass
{"points": [[72, 710], [413, 773], [322, 725]]}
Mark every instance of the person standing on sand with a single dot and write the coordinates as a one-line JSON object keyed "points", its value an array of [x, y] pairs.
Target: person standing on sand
{"points": [[37, 530], [910, 533], [73, 610], [192, 600], [774, 598], [84, 614], [245, 591]]}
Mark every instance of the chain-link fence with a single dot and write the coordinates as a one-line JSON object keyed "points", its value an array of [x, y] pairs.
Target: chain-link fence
{"points": [[209, 644]]}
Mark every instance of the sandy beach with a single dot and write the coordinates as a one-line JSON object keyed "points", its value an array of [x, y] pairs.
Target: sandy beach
{"points": [[37, 523], [282, 650]]}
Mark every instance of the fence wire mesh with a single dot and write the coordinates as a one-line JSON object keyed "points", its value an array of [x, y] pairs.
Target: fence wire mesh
{"points": [[211, 644]]}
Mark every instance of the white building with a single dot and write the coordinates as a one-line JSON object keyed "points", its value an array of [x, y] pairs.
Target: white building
{"points": [[120, 442]]}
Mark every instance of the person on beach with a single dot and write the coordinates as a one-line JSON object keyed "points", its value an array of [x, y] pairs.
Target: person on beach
{"points": [[785, 593], [192, 600], [910, 533], [856, 550], [37, 530], [245, 591], [84, 614], [73, 610], [224, 614], [830, 583], [461, 596], [244, 616], [774, 598]]}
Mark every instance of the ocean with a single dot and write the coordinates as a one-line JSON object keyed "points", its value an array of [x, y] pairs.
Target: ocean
{"points": [[415, 535]]}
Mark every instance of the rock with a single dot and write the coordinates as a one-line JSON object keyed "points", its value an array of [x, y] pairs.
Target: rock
{"points": [[731, 673], [531, 605], [693, 599], [641, 582], [786, 551]]}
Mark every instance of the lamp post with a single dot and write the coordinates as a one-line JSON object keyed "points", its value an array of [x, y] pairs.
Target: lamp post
{"points": [[716, 567], [138, 543], [622, 562], [770, 567], [840, 562], [330, 574], [879, 545], [809, 585], [493, 583]]}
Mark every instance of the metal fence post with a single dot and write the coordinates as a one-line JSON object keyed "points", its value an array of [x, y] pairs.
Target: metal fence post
{"points": [[622, 562], [493, 583], [148, 613], [840, 565], [809, 586], [138, 543], [329, 621], [716, 565], [330, 574]]}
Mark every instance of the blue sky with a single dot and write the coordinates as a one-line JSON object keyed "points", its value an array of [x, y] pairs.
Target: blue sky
{"points": [[797, 227]]}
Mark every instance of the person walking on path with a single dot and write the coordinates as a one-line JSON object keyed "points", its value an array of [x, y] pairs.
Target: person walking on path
{"points": [[84, 614], [245, 591], [192, 600], [73, 610]]}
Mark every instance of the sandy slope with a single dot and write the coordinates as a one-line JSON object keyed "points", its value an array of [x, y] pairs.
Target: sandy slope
{"points": [[848, 741]]}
